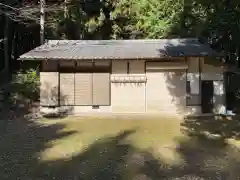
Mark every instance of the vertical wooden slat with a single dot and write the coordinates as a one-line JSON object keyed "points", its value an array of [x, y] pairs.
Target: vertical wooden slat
{"points": [[66, 89], [83, 89], [49, 88], [101, 89]]}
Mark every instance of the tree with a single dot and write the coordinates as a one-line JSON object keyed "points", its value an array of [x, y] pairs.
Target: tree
{"points": [[42, 20], [19, 17]]}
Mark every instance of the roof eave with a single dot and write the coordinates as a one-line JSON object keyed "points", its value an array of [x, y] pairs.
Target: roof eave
{"points": [[113, 58]]}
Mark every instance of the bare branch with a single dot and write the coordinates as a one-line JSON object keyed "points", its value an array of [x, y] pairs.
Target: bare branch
{"points": [[28, 12], [7, 6]]}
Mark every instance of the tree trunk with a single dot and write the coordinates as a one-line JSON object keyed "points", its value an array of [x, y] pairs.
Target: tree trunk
{"points": [[13, 49], [42, 20], [65, 9], [6, 56]]}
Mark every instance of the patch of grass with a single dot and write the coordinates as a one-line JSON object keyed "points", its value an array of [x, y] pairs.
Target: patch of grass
{"points": [[148, 133], [113, 148]]}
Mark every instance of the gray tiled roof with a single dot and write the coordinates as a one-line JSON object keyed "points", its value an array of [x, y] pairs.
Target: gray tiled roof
{"points": [[118, 49]]}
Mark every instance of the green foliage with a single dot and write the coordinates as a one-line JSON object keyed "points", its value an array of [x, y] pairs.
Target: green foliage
{"points": [[215, 21], [26, 85], [84, 20], [155, 18]]}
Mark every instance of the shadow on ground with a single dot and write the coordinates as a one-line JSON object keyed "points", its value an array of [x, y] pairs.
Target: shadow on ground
{"points": [[219, 126], [22, 139]]}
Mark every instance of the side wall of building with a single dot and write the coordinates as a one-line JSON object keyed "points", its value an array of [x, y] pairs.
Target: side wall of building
{"points": [[216, 74], [200, 70], [135, 87]]}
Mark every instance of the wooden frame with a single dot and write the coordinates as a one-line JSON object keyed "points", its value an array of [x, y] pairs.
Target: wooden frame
{"points": [[193, 95], [93, 69]]}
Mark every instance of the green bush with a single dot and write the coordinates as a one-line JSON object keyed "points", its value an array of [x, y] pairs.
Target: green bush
{"points": [[26, 85]]}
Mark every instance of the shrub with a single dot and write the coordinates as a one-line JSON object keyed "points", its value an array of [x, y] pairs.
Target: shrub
{"points": [[26, 85]]}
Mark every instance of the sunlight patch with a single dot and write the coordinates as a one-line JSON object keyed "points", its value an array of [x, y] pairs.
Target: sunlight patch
{"points": [[168, 154], [234, 143], [62, 151]]}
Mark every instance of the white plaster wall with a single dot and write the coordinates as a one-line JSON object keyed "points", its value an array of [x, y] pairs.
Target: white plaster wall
{"points": [[166, 92], [215, 74], [193, 76], [128, 97], [194, 83], [219, 97]]}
